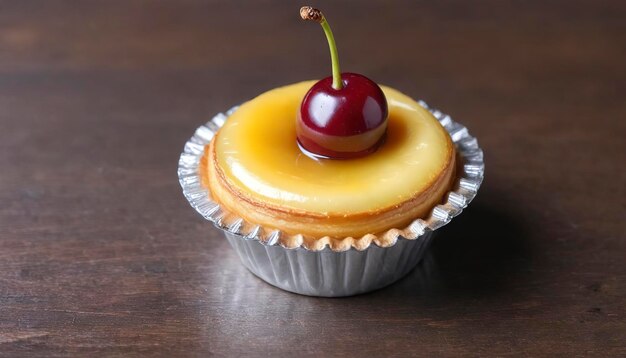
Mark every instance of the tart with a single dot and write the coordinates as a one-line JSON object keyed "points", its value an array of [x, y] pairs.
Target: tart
{"points": [[255, 168], [331, 188]]}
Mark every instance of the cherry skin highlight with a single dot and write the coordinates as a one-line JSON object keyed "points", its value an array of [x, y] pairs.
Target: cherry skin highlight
{"points": [[342, 123]]}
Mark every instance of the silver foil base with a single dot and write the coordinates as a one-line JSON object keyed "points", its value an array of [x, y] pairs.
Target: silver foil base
{"points": [[328, 273]]}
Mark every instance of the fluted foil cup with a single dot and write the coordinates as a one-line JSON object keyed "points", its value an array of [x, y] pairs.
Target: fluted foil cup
{"points": [[327, 271]]}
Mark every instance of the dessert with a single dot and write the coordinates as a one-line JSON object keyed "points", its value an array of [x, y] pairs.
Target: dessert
{"points": [[340, 157], [334, 187]]}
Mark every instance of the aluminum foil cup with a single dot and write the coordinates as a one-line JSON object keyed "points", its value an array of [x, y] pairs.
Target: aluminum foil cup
{"points": [[328, 272]]}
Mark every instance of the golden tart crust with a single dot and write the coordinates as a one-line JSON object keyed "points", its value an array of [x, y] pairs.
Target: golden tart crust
{"points": [[393, 209]]}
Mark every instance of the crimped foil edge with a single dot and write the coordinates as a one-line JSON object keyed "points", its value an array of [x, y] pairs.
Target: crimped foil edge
{"points": [[469, 178]]}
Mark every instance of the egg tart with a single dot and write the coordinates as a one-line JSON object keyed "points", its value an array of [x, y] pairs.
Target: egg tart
{"points": [[332, 187]]}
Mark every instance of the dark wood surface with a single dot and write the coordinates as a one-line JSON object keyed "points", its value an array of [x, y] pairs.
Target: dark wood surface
{"points": [[100, 252]]}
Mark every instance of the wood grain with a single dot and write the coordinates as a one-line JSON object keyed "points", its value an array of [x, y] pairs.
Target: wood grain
{"points": [[101, 255]]}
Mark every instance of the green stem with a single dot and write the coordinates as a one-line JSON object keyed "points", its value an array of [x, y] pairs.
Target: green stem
{"points": [[334, 56]]}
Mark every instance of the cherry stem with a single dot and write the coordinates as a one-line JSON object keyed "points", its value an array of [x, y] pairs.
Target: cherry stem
{"points": [[313, 14]]}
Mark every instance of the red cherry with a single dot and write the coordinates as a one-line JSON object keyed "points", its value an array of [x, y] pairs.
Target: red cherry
{"points": [[342, 116], [343, 123]]}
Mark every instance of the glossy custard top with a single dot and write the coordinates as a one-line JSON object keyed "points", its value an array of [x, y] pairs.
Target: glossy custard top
{"points": [[257, 151]]}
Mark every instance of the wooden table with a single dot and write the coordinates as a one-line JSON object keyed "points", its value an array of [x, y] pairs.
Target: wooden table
{"points": [[100, 253]]}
